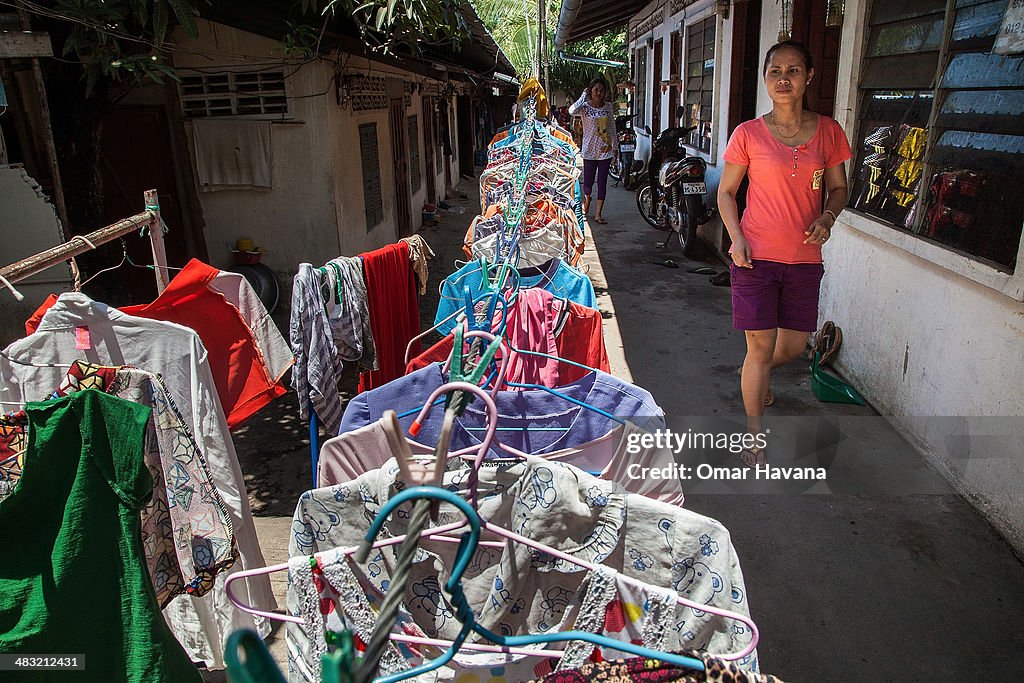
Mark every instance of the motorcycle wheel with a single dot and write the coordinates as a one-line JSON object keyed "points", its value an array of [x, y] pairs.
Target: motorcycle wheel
{"points": [[636, 175], [688, 234], [614, 172], [643, 204]]}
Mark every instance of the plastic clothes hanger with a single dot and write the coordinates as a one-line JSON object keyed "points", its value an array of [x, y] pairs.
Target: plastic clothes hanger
{"points": [[467, 546], [465, 613], [256, 666], [437, 533]]}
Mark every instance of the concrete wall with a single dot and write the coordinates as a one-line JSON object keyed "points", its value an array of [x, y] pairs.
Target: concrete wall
{"points": [[932, 338], [316, 209], [29, 225], [296, 220]]}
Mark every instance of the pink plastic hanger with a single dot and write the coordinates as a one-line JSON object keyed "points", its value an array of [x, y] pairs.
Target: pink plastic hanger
{"points": [[435, 533]]}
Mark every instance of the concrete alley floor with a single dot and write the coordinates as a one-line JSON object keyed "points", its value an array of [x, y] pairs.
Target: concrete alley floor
{"points": [[882, 572]]}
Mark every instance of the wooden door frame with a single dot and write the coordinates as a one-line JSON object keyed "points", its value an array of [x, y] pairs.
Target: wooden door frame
{"points": [[658, 55], [428, 149], [400, 160], [809, 18]]}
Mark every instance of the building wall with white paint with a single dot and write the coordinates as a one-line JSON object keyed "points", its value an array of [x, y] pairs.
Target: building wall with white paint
{"points": [[932, 338]]}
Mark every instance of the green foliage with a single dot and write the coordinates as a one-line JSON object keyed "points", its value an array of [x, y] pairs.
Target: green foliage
{"points": [[516, 34], [389, 25], [122, 40], [573, 77]]}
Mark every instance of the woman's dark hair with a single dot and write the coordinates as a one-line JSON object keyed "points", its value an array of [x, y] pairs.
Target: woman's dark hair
{"points": [[793, 44], [599, 80]]}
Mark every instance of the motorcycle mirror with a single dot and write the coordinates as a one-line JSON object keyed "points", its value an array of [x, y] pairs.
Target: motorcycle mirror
{"points": [[647, 129], [680, 111]]}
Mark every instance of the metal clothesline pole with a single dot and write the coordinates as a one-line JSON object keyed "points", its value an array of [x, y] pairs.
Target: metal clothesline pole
{"points": [[79, 244]]}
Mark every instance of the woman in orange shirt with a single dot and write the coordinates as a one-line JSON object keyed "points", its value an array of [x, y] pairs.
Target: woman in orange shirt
{"points": [[792, 157]]}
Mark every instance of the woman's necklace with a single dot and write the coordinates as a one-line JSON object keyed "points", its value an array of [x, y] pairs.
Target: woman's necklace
{"points": [[775, 124]]}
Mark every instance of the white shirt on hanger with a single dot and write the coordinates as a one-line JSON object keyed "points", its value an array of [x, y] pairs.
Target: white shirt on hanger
{"points": [[76, 327]]}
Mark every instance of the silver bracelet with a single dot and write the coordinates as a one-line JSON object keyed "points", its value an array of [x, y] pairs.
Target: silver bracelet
{"points": [[834, 217]]}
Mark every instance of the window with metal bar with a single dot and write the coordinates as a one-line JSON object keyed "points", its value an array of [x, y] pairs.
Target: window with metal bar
{"points": [[640, 79], [368, 154], [941, 139], [415, 172], [700, 82], [255, 94]]}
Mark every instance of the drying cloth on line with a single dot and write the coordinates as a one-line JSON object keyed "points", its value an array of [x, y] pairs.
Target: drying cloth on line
{"points": [[394, 311], [420, 253], [348, 311], [74, 577], [240, 371], [201, 625], [232, 155], [577, 333], [247, 353], [318, 364]]}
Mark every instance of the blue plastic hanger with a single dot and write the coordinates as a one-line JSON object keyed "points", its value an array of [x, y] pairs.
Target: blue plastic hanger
{"points": [[467, 547]]}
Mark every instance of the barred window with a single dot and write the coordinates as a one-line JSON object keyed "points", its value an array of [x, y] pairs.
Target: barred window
{"points": [[942, 158], [640, 92], [231, 93], [372, 197], [700, 81], [414, 153]]}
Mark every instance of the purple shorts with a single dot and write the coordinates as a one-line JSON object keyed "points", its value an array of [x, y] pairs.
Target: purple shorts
{"points": [[773, 294]]}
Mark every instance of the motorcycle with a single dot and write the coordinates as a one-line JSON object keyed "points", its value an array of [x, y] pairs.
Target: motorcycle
{"points": [[673, 198], [626, 169]]}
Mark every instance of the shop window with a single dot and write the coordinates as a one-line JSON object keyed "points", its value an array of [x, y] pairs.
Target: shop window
{"points": [[372, 197], [234, 94], [700, 81], [941, 151]]}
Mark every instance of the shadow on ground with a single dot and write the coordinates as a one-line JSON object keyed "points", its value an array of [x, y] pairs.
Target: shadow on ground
{"points": [[881, 569]]}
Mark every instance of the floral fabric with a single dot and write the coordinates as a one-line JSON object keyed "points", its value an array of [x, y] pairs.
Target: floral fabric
{"points": [[186, 530], [641, 670], [514, 589]]}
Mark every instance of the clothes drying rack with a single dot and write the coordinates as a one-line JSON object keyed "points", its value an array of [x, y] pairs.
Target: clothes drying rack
{"points": [[79, 244]]}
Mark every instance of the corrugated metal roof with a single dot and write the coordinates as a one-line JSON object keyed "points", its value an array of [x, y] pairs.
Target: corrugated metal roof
{"points": [[479, 53], [595, 17]]}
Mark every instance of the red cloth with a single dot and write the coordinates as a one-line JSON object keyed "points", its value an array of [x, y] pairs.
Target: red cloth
{"points": [[243, 383], [581, 340], [32, 324], [394, 311]]}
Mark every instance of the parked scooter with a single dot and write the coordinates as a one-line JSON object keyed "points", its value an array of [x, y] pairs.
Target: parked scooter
{"points": [[673, 198], [626, 169]]}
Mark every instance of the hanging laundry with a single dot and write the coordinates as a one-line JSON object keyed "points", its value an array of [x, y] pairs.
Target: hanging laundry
{"points": [[576, 330], [247, 354], [617, 456], [77, 583], [515, 589], [186, 528], [556, 276], [394, 311], [272, 345], [566, 424], [78, 327], [240, 372], [642, 670], [348, 311], [420, 253]]}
